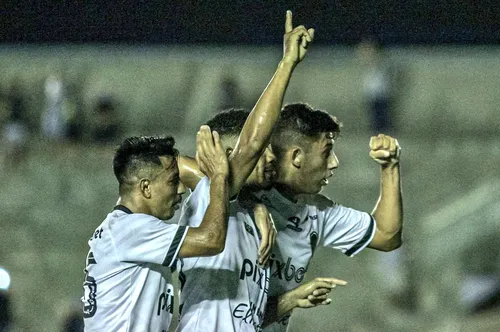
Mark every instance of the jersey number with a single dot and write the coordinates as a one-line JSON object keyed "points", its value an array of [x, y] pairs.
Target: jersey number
{"points": [[90, 290], [90, 303]]}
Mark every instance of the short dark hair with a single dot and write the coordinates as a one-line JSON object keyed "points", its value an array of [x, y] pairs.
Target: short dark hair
{"points": [[299, 121], [137, 153], [228, 123]]}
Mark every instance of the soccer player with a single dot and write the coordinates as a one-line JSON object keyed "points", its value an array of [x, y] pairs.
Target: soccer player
{"points": [[305, 220], [303, 143], [128, 280], [228, 305], [228, 292]]}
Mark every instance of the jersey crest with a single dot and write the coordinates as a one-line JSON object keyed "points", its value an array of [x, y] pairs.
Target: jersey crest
{"points": [[293, 224]]}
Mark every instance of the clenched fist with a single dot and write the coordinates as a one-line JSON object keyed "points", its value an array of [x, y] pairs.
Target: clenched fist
{"points": [[385, 150]]}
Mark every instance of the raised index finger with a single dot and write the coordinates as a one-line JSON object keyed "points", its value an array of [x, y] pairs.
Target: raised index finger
{"points": [[288, 22]]}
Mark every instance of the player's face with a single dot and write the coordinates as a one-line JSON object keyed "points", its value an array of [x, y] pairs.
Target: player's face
{"points": [[167, 189], [264, 172], [317, 165]]}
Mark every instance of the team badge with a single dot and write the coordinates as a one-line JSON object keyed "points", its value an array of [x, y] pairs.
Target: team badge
{"points": [[294, 224]]}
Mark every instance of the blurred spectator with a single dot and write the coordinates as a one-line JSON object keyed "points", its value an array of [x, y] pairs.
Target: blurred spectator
{"points": [[378, 86], [5, 312], [16, 128], [75, 111], [53, 120], [106, 126], [73, 321], [230, 94]]}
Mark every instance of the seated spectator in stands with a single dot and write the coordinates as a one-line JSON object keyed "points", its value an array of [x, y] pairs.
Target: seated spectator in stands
{"points": [[16, 128], [106, 127], [5, 313]]}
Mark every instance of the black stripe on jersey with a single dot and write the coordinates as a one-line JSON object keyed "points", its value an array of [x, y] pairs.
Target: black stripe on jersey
{"points": [[123, 208], [363, 241], [173, 246]]}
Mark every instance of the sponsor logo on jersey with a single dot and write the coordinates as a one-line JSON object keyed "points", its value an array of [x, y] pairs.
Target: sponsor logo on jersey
{"points": [[258, 275], [165, 302], [286, 270], [249, 314]]}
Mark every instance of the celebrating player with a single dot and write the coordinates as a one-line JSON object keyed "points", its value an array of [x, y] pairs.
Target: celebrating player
{"points": [[303, 143], [128, 281], [228, 292]]}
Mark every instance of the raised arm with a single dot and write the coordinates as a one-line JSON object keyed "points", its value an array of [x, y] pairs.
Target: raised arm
{"points": [[209, 238], [308, 295], [189, 171], [388, 211], [256, 132]]}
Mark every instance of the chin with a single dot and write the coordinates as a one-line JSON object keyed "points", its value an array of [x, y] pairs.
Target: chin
{"points": [[169, 215]]}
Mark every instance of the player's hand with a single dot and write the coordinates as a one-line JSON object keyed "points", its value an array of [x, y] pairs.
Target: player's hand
{"points": [[295, 41], [210, 154], [315, 292], [385, 150], [265, 225]]}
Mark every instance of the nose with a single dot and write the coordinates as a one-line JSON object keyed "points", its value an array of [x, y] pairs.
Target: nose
{"points": [[270, 156], [333, 162], [181, 189]]}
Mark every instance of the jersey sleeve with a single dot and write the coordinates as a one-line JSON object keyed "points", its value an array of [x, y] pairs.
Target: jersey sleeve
{"points": [[194, 207], [147, 239], [347, 229]]}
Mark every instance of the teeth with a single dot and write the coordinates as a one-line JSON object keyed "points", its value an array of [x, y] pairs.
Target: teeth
{"points": [[326, 181]]}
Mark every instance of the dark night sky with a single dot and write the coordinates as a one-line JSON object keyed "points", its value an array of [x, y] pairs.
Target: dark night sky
{"points": [[248, 22]]}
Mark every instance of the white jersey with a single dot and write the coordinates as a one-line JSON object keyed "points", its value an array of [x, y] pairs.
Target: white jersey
{"points": [[304, 226], [128, 280], [226, 292]]}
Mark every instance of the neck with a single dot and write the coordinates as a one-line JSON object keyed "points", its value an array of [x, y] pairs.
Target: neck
{"points": [[132, 204], [286, 191]]}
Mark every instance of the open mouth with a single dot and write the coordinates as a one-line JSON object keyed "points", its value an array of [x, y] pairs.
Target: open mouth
{"points": [[324, 181]]}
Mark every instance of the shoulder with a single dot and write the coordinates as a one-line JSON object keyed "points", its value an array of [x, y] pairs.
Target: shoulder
{"points": [[119, 222], [318, 201], [202, 190]]}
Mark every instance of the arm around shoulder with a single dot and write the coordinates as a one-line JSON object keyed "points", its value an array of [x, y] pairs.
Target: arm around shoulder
{"points": [[209, 238]]}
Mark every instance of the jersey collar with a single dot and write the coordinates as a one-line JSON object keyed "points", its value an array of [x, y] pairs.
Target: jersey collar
{"points": [[122, 208]]}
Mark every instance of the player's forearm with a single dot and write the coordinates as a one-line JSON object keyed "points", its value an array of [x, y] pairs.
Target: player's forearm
{"points": [[277, 307], [209, 238], [256, 133], [388, 211], [189, 171], [257, 130], [214, 223]]}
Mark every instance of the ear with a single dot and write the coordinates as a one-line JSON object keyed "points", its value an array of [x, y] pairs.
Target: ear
{"points": [[297, 156], [145, 187]]}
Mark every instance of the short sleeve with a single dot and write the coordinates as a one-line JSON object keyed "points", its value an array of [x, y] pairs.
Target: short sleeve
{"points": [[194, 207], [347, 229], [147, 239]]}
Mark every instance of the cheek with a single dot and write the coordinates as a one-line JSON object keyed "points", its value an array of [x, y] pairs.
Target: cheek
{"points": [[315, 167]]}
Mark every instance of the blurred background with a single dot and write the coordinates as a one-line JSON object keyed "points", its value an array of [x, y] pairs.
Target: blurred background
{"points": [[77, 77]]}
